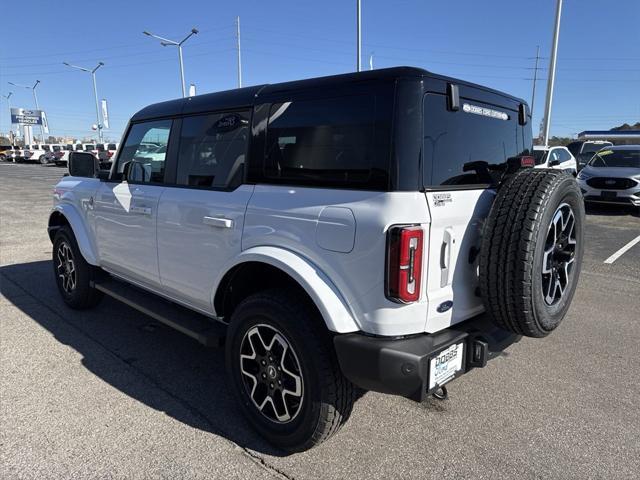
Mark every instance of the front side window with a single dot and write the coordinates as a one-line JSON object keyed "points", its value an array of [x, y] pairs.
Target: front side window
{"points": [[145, 150], [326, 142], [213, 149], [468, 147]]}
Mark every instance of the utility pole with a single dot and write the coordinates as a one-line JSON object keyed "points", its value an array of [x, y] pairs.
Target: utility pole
{"points": [[359, 29], [552, 75], [239, 54], [165, 42], [535, 79], [95, 93]]}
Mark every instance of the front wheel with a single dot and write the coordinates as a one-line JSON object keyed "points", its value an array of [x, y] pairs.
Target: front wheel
{"points": [[74, 276], [284, 373]]}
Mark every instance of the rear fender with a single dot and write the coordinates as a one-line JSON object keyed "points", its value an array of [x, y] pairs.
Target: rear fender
{"points": [[333, 308]]}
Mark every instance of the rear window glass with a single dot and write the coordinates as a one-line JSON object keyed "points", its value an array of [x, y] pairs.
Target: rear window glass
{"points": [[111, 146], [326, 142], [100, 147], [88, 148], [78, 147], [594, 147], [468, 147]]}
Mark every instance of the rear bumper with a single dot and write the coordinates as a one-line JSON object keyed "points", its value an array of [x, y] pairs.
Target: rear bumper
{"points": [[400, 366]]}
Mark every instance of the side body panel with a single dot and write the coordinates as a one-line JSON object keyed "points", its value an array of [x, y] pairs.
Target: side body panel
{"points": [[302, 220], [125, 218], [199, 231]]}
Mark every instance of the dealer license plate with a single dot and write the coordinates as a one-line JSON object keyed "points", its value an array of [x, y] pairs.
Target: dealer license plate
{"points": [[444, 366]]}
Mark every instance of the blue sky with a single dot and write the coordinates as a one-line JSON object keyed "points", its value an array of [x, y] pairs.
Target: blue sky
{"points": [[491, 42]]}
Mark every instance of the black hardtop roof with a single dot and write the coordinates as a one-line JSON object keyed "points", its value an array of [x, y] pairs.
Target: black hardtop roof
{"points": [[247, 96]]}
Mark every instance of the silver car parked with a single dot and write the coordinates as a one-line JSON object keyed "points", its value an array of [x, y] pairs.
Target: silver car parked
{"points": [[612, 176]]}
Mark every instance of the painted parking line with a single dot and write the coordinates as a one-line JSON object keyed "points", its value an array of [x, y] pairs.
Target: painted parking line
{"points": [[621, 252]]}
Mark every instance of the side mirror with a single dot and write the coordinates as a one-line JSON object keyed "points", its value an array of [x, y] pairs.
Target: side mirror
{"points": [[83, 164], [554, 163]]}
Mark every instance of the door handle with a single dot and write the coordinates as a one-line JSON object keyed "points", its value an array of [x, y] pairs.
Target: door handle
{"points": [[446, 270], [141, 210], [219, 222]]}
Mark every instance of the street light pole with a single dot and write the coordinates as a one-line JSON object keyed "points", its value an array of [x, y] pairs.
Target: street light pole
{"points": [[239, 54], [165, 42], [359, 34], [8, 97], [35, 99], [552, 75], [95, 93]]}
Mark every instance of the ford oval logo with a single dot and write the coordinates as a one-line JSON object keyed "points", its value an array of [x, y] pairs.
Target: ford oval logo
{"points": [[444, 306], [610, 182]]}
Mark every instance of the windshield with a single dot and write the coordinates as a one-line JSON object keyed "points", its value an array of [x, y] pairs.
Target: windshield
{"points": [[594, 147], [616, 158], [540, 156]]}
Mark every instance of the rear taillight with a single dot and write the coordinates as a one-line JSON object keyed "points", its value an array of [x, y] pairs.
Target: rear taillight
{"points": [[109, 154], [527, 161], [404, 263]]}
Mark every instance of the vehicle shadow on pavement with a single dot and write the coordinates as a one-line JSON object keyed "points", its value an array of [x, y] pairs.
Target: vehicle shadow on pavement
{"points": [[145, 360], [612, 210]]}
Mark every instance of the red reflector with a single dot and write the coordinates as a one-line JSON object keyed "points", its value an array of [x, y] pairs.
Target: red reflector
{"points": [[527, 161], [404, 263]]}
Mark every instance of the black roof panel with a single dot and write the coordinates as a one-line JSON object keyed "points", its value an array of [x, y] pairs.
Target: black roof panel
{"points": [[247, 96]]}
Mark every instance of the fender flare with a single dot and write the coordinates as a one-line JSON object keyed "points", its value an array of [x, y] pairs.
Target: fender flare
{"points": [[334, 310], [86, 246]]}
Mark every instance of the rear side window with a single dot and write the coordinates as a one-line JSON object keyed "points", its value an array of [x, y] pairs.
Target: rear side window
{"points": [[468, 147], [213, 149], [145, 149], [326, 142]]}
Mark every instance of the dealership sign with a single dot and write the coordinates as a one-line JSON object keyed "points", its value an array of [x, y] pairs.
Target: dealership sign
{"points": [[23, 116]]}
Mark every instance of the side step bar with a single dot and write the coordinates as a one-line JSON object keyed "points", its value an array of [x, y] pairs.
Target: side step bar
{"points": [[205, 330]]}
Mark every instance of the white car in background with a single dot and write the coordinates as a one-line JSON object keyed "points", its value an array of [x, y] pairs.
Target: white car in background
{"points": [[612, 176], [558, 158], [34, 153]]}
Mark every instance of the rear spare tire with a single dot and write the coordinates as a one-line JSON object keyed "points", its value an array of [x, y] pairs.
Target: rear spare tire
{"points": [[531, 253]]}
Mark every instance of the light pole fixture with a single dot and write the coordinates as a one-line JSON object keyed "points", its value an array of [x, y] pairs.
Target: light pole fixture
{"points": [[35, 99], [165, 42], [95, 92]]}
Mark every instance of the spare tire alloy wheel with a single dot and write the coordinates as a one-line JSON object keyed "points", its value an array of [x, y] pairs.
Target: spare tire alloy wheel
{"points": [[531, 252], [271, 373], [559, 254], [66, 268]]}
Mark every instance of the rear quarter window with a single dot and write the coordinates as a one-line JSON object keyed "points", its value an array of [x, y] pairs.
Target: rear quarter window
{"points": [[328, 142], [468, 148]]}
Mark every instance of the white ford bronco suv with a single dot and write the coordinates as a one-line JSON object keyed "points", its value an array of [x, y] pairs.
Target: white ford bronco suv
{"points": [[369, 231]]}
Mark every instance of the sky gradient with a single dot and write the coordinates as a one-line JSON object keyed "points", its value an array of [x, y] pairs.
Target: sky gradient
{"points": [[491, 42]]}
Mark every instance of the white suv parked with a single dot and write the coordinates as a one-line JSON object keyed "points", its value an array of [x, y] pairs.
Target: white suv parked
{"points": [[558, 158], [374, 230]]}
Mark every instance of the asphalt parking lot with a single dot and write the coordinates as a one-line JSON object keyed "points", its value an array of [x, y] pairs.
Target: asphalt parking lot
{"points": [[111, 393]]}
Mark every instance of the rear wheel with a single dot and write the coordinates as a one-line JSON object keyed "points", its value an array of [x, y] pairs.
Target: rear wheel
{"points": [[284, 373], [73, 274], [531, 252], [43, 159]]}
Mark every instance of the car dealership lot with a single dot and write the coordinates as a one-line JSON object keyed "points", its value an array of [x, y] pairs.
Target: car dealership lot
{"points": [[110, 392]]}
